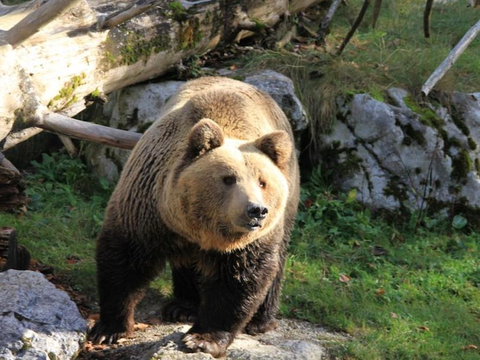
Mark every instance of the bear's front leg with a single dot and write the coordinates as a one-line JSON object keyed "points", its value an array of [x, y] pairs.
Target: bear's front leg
{"points": [[124, 270], [230, 296]]}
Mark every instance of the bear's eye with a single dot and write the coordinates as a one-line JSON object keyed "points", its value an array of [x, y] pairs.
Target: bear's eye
{"points": [[229, 180], [262, 184]]}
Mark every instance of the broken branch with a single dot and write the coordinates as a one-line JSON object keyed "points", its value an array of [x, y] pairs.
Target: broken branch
{"points": [[83, 130], [355, 25], [451, 58], [322, 32], [36, 20]]}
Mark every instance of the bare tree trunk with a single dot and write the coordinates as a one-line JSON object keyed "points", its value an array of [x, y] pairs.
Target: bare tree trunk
{"points": [[54, 54], [355, 25], [376, 12], [426, 18]]}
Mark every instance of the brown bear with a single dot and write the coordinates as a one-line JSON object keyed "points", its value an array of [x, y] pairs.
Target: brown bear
{"points": [[212, 187]]}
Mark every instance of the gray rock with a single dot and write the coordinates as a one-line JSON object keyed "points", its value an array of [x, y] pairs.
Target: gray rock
{"points": [[397, 159], [38, 321], [133, 108], [397, 95], [281, 89], [138, 105]]}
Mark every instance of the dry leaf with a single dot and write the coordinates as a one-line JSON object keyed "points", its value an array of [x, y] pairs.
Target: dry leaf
{"points": [[94, 317], [344, 278], [470, 347], [393, 315], [141, 326], [308, 203], [380, 292], [423, 328]]}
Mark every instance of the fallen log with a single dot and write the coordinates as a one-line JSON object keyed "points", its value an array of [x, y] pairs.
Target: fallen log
{"points": [[68, 50]]}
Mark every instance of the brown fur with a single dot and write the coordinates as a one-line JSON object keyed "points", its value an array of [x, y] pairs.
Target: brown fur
{"points": [[220, 146]]}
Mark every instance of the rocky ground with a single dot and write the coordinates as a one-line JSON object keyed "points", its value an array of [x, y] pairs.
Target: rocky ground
{"points": [[152, 339]]}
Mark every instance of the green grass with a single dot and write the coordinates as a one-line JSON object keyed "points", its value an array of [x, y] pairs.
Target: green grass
{"points": [[400, 293], [404, 294], [64, 217], [395, 54]]}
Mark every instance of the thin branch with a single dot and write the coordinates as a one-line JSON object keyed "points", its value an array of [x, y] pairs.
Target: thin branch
{"points": [[17, 137], [68, 143], [83, 130], [451, 58], [34, 21], [125, 15], [322, 32], [376, 12], [355, 25], [426, 18]]}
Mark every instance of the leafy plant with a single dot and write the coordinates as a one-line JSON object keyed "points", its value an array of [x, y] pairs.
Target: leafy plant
{"points": [[401, 294]]}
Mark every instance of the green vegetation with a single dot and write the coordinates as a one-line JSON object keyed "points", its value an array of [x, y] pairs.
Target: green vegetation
{"points": [[179, 13], [396, 54], [462, 165], [66, 95], [64, 217], [400, 293]]}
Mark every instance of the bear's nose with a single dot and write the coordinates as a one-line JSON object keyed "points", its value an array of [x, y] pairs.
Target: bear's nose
{"points": [[257, 211]]}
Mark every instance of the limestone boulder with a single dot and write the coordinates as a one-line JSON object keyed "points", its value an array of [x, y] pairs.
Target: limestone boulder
{"points": [[37, 320], [404, 156]]}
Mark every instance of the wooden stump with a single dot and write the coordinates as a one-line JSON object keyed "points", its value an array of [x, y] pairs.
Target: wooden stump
{"points": [[12, 255], [12, 187]]}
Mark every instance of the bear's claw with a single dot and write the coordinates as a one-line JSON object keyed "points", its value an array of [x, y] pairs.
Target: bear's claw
{"points": [[101, 334], [179, 311], [214, 344]]}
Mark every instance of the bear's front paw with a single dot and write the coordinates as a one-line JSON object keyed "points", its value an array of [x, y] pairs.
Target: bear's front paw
{"points": [[214, 343], [254, 327], [179, 311], [103, 333]]}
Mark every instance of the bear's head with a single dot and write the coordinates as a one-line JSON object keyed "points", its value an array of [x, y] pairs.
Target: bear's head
{"points": [[227, 193]]}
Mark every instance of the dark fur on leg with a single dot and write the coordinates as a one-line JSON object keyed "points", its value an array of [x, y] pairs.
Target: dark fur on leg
{"points": [[230, 295], [123, 275], [184, 305], [264, 318]]}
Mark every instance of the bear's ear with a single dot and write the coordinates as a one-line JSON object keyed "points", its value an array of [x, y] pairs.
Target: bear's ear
{"points": [[277, 146], [206, 135]]}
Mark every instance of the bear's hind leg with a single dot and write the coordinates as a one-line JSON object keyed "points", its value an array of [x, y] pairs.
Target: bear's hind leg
{"points": [[264, 318], [184, 305], [124, 270]]}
